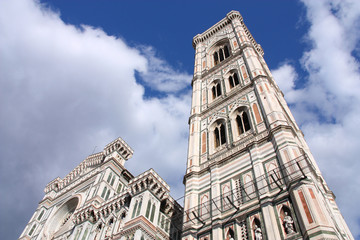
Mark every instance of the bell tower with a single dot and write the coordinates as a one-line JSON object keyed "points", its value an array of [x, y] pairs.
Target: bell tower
{"points": [[250, 173]]}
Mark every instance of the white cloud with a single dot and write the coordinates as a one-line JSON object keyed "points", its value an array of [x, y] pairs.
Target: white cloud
{"points": [[328, 106], [65, 90], [160, 75]]}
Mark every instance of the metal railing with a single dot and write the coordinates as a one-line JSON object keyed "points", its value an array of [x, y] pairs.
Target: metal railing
{"points": [[233, 202]]}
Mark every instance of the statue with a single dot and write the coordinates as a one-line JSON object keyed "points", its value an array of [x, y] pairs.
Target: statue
{"points": [[288, 223], [258, 233]]}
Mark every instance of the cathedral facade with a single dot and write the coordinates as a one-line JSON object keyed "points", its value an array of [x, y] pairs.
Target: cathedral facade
{"points": [[101, 199], [250, 173]]}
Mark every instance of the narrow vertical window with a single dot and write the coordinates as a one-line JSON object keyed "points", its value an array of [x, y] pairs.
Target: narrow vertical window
{"points": [[148, 209], [119, 188], [218, 90], [231, 82], [109, 178], [134, 211], [152, 213], [226, 51], [222, 134], [236, 79], [217, 137], [239, 125], [41, 214], [107, 194], [139, 208], [243, 123], [162, 222], [246, 121], [221, 54], [213, 92], [216, 58], [103, 192], [32, 230], [112, 181]]}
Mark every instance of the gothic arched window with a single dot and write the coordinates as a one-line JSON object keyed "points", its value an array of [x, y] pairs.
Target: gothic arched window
{"points": [[221, 52], [219, 135], [233, 80], [216, 90], [243, 123]]}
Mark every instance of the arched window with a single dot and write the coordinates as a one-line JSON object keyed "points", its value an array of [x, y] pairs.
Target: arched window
{"points": [[243, 123], [221, 53], [216, 90], [219, 135], [233, 80]]}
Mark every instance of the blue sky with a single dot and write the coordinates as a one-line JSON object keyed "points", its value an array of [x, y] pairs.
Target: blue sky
{"points": [[74, 75]]}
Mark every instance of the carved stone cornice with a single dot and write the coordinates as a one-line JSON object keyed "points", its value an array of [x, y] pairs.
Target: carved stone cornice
{"points": [[151, 181], [217, 27]]}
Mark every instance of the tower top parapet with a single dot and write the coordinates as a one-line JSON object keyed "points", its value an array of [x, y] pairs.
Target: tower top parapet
{"points": [[121, 147], [217, 27], [229, 19]]}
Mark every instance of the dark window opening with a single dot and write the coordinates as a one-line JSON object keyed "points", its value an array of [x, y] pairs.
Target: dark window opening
{"points": [[216, 90], [216, 58], [219, 135], [221, 54], [236, 79], [243, 123], [246, 121], [226, 51], [231, 82]]}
